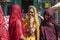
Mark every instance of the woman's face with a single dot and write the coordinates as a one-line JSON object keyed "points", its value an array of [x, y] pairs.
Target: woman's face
{"points": [[47, 17], [31, 11]]}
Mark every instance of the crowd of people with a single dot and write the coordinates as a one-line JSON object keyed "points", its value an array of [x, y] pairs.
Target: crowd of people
{"points": [[15, 27]]}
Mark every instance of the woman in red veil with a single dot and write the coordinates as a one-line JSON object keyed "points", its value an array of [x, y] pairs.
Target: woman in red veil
{"points": [[16, 28], [4, 33]]}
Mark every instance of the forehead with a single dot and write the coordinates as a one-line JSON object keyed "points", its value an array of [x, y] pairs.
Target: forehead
{"points": [[31, 9]]}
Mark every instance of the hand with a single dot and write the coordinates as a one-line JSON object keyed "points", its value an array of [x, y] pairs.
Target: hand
{"points": [[22, 37]]}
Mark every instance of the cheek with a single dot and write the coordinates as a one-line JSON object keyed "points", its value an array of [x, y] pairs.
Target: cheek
{"points": [[33, 13], [46, 17]]}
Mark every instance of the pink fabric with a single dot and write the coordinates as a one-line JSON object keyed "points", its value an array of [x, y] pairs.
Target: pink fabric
{"points": [[52, 19], [4, 33], [16, 27], [49, 11]]}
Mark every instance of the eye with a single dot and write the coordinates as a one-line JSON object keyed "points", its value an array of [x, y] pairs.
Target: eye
{"points": [[31, 12]]}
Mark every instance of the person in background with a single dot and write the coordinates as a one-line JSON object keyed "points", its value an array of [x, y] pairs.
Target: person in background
{"points": [[31, 23], [48, 31], [4, 33], [16, 28]]}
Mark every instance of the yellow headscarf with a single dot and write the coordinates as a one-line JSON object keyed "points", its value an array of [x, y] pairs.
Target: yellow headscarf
{"points": [[37, 21]]}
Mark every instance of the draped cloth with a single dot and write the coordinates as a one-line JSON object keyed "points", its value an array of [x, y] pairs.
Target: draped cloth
{"points": [[16, 27], [36, 22], [4, 33], [48, 31]]}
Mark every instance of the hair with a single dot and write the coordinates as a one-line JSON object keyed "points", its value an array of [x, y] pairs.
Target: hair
{"points": [[30, 8], [35, 14]]}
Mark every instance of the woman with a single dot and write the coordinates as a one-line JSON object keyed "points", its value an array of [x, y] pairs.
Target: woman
{"points": [[31, 24], [16, 28], [4, 33], [48, 31]]}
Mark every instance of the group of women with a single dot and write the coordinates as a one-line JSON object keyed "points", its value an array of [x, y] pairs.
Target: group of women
{"points": [[29, 28]]}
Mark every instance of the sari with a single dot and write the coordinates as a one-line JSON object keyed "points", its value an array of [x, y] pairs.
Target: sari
{"points": [[35, 23], [4, 33], [16, 27], [48, 31]]}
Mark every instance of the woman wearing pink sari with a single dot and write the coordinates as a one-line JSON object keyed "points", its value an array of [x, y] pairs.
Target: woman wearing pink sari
{"points": [[4, 33], [16, 27]]}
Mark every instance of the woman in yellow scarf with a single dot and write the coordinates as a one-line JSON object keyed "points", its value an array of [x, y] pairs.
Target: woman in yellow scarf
{"points": [[32, 24]]}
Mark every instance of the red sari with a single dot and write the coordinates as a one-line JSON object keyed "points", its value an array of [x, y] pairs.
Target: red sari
{"points": [[16, 27], [4, 33]]}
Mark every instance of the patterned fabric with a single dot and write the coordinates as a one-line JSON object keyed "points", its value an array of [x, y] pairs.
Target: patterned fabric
{"points": [[31, 23], [36, 21], [4, 33]]}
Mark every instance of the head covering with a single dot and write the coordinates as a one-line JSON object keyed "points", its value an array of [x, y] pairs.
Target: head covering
{"points": [[15, 12], [4, 34], [16, 27], [49, 11], [52, 19], [36, 19], [35, 14]]}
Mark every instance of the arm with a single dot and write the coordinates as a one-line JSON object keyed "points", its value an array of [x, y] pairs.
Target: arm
{"points": [[40, 16], [56, 7]]}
